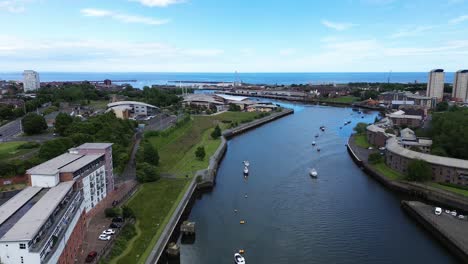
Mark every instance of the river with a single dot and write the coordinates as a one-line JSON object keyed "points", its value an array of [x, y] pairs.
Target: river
{"points": [[343, 216]]}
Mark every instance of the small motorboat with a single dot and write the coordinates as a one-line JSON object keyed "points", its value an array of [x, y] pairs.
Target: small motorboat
{"points": [[313, 173], [239, 259], [246, 163], [246, 171], [316, 135], [318, 150], [313, 143]]}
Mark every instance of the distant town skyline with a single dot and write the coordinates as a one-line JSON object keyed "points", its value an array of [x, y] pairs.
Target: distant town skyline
{"points": [[228, 36]]}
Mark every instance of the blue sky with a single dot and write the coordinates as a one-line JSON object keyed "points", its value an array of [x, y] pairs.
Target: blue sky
{"points": [[228, 36]]}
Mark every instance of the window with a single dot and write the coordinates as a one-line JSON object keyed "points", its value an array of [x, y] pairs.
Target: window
{"points": [[22, 246]]}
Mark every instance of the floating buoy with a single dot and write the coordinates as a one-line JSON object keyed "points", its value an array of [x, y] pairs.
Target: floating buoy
{"points": [[241, 251], [242, 222]]}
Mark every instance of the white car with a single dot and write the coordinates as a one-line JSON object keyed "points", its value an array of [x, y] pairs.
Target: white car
{"points": [[454, 213], [104, 237], [447, 211], [461, 217], [382, 148], [108, 232], [370, 148], [438, 211]]}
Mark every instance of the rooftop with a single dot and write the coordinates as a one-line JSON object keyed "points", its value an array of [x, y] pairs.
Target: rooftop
{"points": [[232, 97], [16, 202], [28, 226], [80, 163], [95, 146], [393, 146], [202, 98], [129, 103], [405, 116], [438, 70], [52, 166]]}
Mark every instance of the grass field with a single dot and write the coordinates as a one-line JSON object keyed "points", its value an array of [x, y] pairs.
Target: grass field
{"points": [[361, 141], [99, 104], [153, 206], [343, 99], [177, 150], [9, 150], [388, 172], [449, 188]]}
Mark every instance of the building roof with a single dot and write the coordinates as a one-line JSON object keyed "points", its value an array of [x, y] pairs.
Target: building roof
{"points": [[462, 71], [375, 129], [95, 146], [438, 70], [407, 134], [264, 106], [80, 163], [122, 103], [232, 97], [405, 116], [393, 146], [205, 98], [16, 202], [402, 102], [399, 112], [52, 166], [28, 226]]}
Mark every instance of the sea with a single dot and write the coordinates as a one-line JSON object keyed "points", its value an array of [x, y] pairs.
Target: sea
{"points": [[141, 79]]}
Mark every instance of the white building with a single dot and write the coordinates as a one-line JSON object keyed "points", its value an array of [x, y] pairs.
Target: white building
{"points": [[31, 81], [132, 109], [460, 86], [45, 222], [435, 84]]}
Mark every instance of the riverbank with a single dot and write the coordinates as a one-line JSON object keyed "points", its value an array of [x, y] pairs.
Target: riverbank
{"points": [[449, 230], [205, 179]]}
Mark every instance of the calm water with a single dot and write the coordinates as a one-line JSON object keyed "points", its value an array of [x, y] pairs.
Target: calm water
{"points": [[256, 78], [342, 217]]}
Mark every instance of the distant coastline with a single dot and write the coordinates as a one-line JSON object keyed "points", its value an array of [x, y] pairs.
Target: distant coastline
{"points": [[148, 79]]}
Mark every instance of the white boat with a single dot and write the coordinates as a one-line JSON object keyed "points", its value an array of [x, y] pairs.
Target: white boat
{"points": [[246, 163], [313, 173], [239, 259], [246, 171], [313, 143]]}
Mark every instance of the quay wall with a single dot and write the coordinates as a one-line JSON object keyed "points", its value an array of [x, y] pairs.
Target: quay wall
{"points": [[205, 179], [448, 239]]}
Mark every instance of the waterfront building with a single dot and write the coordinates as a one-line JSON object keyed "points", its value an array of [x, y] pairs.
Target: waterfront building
{"points": [[413, 121], [435, 84], [219, 101], [262, 107], [409, 140], [460, 86], [45, 222], [132, 109], [444, 169], [31, 81]]}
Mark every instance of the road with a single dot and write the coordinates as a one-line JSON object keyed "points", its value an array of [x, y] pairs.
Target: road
{"points": [[161, 122], [10, 130]]}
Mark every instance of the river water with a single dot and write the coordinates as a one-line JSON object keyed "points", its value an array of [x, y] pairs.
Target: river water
{"points": [[343, 216]]}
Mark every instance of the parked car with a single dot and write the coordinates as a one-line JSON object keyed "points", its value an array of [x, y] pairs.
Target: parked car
{"points": [[115, 225], [117, 219], [108, 232], [370, 148], [447, 211], [438, 211], [104, 237], [382, 148], [91, 256], [454, 213], [461, 217]]}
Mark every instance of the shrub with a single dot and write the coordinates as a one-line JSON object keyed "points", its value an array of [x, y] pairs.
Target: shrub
{"points": [[127, 212], [146, 172], [152, 134], [29, 145], [234, 108], [112, 212], [360, 128], [200, 153], [121, 242], [33, 124], [199, 179], [375, 158], [216, 132]]}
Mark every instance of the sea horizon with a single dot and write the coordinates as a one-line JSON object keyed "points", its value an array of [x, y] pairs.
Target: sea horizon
{"points": [[269, 78]]}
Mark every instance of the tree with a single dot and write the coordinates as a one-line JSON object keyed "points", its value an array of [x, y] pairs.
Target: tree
{"points": [[234, 108], [146, 172], [150, 154], [200, 153], [127, 212], [62, 122], [442, 106], [54, 148], [33, 124], [419, 170], [216, 132], [360, 128]]}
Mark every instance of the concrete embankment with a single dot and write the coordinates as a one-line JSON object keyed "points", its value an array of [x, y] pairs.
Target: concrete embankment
{"points": [[208, 180], [449, 230], [418, 190]]}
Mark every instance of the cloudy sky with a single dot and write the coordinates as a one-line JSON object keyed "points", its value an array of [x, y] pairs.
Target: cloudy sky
{"points": [[228, 36]]}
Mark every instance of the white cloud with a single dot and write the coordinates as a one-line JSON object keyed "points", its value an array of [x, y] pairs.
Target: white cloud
{"points": [[126, 18], [13, 6], [287, 52], [337, 26], [158, 3], [411, 32], [459, 19]]}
